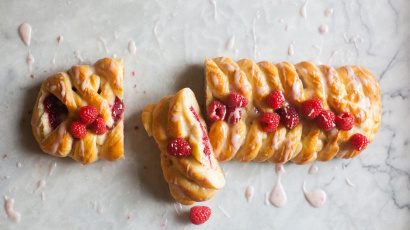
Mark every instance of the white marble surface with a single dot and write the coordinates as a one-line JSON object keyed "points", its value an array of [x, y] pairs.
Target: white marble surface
{"points": [[172, 38]]}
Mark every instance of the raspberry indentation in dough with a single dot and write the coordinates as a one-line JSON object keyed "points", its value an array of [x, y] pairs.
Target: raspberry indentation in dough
{"points": [[117, 109], [179, 147], [217, 111], [205, 139], [55, 109]]}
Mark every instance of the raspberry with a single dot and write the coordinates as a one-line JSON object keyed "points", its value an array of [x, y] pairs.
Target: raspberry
{"points": [[359, 141], [275, 99], [269, 122], [199, 214], [233, 115], [56, 110], [88, 114], [344, 121], [78, 130], [179, 147], [289, 116], [117, 109], [98, 126], [217, 111], [235, 100], [312, 108], [326, 120]]}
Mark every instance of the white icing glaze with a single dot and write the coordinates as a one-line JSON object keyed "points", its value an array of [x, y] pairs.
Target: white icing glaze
{"points": [[224, 211], [213, 3], [25, 33], [230, 67], [41, 184], [30, 61], [316, 197], [53, 87], [263, 90], [62, 89], [303, 11], [296, 89], [51, 168], [178, 208], [43, 196], [313, 169], [12, 214], [236, 141], [60, 39], [267, 202], [249, 191], [230, 43], [349, 182], [175, 117], [60, 134], [78, 55], [214, 80], [323, 29], [84, 85], [132, 49], [291, 49], [278, 196], [329, 12]]}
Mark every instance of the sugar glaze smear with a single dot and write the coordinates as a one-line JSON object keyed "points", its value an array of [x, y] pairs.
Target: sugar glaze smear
{"points": [[316, 198], [278, 196]]}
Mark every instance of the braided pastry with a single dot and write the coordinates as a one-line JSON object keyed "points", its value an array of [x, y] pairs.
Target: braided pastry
{"points": [[192, 175], [348, 89], [58, 103]]}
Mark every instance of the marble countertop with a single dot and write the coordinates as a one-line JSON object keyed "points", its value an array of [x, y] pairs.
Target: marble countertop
{"points": [[172, 38]]}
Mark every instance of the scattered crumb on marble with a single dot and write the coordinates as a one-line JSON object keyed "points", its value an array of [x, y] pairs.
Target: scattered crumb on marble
{"points": [[133, 73], [136, 127], [18, 165], [5, 156]]}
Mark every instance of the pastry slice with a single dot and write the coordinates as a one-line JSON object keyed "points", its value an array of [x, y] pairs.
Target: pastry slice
{"points": [[283, 112], [187, 158], [78, 113]]}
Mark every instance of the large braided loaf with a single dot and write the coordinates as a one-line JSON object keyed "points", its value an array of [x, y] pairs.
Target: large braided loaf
{"points": [[100, 86], [350, 89], [191, 178]]}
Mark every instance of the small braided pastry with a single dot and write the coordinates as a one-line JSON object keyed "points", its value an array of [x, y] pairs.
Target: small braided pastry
{"points": [[350, 89], [58, 103], [194, 177]]}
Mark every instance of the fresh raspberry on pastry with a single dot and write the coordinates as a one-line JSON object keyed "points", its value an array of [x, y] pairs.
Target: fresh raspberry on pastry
{"points": [[216, 111], [306, 96], [187, 157], [71, 104]]}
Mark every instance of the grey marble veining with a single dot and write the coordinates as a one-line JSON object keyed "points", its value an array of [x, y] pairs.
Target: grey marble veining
{"points": [[172, 38]]}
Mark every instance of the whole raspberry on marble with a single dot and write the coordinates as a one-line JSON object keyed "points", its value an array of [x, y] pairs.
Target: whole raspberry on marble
{"points": [[78, 130], [275, 99], [326, 120], [344, 121], [312, 108], [216, 110], [359, 141], [88, 114], [179, 147], [289, 116], [269, 122], [235, 100], [233, 115], [98, 126], [199, 214]]}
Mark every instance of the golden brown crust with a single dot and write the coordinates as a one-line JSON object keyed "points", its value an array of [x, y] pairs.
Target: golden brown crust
{"points": [[198, 176], [346, 89], [82, 85]]}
